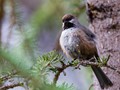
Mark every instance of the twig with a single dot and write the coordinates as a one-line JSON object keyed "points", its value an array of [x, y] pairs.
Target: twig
{"points": [[91, 86], [115, 69], [88, 63], [6, 77], [10, 86], [60, 70]]}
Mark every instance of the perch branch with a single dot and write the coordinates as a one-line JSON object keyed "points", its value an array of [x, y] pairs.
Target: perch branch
{"points": [[81, 62]]}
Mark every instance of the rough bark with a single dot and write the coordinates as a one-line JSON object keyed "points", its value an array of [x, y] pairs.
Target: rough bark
{"points": [[104, 16]]}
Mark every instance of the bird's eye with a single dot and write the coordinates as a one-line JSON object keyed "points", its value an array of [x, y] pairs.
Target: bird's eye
{"points": [[63, 20]]}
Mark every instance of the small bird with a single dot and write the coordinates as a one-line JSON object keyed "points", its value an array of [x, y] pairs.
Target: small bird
{"points": [[78, 42]]}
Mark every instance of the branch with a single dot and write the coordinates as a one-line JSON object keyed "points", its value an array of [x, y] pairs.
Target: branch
{"points": [[60, 70], [10, 86], [8, 76], [115, 69], [89, 62], [101, 64]]}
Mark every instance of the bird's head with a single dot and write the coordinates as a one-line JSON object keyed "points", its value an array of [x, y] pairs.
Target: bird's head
{"points": [[69, 21]]}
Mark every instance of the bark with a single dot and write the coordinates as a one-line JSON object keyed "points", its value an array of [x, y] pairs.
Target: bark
{"points": [[104, 16]]}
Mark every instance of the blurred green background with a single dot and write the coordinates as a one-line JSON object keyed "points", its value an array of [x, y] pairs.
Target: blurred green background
{"points": [[28, 29]]}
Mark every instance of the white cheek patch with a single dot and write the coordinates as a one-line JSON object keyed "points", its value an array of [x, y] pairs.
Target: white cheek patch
{"points": [[71, 21], [63, 25]]}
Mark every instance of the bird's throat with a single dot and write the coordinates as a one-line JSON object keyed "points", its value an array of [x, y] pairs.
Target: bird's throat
{"points": [[68, 25]]}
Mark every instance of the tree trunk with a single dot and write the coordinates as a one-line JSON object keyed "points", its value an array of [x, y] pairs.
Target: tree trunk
{"points": [[104, 16]]}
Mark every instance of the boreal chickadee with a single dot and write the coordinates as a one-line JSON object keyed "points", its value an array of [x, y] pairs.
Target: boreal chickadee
{"points": [[78, 42]]}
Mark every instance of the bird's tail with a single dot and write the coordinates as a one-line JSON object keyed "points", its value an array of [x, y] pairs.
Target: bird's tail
{"points": [[104, 81]]}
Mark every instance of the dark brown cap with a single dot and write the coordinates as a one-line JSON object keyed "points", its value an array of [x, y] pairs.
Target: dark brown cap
{"points": [[67, 17]]}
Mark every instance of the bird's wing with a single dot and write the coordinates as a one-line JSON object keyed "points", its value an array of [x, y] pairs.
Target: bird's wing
{"points": [[90, 34], [86, 47]]}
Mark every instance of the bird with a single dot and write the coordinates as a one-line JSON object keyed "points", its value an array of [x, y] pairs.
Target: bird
{"points": [[78, 42]]}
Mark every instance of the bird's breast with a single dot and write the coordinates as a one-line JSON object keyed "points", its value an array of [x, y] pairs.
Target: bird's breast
{"points": [[67, 38], [68, 43]]}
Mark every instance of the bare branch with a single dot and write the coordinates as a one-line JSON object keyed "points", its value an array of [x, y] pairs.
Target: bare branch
{"points": [[10, 86]]}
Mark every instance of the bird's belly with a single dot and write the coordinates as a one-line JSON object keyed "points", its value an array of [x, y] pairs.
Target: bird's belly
{"points": [[68, 45]]}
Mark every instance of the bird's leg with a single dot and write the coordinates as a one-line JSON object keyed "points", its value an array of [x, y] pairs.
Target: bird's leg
{"points": [[78, 65], [81, 60]]}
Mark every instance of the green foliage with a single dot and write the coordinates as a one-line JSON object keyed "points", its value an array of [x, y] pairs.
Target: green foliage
{"points": [[41, 70], [46, 63], [21, 57], [52, 87]]}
